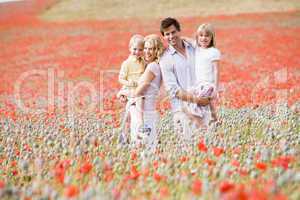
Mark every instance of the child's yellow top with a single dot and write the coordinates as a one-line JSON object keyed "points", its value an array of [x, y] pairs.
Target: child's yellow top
{"points": [[132, 69]]}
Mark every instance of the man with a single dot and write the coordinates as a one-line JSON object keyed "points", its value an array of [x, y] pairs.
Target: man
{"points": [[177, 66]]}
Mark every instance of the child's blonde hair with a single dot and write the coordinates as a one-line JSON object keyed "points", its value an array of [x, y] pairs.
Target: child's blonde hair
{"points": [[157, 44], [209, 29], [136, 38]]}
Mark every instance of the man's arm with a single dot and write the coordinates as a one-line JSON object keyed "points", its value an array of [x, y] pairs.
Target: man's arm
{"points": [[186, 96], [189, 40], [174, 90]]}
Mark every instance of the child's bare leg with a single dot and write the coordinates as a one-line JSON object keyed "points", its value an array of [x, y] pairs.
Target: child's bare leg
{"points": [[195, 119], [213, 112], [125, 126], [140, 110]]}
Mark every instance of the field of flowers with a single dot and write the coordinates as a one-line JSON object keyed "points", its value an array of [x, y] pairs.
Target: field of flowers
{"points": [[59, 115]]}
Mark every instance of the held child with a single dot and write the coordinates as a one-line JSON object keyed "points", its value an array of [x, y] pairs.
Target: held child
{"points": [[207, 58], [131, 70]]}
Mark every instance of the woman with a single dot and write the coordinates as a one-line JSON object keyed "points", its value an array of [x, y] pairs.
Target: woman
{"points": [[144, 130]]}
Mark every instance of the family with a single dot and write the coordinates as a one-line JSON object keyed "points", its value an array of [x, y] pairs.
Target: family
{"points": [[188, 69]]}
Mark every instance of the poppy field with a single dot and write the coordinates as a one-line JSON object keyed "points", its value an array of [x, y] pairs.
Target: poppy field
{"points": [[60, 118]]}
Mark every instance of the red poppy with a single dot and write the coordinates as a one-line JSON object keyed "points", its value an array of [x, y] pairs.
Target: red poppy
{"points": [[134, 173], [14, 163], [202, 147], [27, 147], [197, 187], [282, 161], [155, 164], [164, 192], [157, 177], [280, 196], [134, 155], [14, 172], [86, 168], [108, 175], [258, 194], [71, 191], [238, 193], [59, 174], [237, 150], [183, 159], [218, 151], [226, 186], [2, 184], [235, 163], [243, 172], [210, 161], [261, 166]]}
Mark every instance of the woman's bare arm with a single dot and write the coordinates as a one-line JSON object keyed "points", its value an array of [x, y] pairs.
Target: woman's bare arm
{"points": [[146, 79]]}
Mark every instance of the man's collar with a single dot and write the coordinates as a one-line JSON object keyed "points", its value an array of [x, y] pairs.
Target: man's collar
{"points": [[173, 50]]}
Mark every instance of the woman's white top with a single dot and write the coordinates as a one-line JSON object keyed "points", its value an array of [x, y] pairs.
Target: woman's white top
{"points": [[151, 93]]}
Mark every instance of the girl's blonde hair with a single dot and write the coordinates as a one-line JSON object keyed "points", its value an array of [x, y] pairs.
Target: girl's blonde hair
{"points": [[209, 29], [136, 38], [157, 44]]}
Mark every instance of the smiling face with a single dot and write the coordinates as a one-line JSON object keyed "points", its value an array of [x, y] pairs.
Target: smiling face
{"points": [[172, 35], [205, 36], [136, 49], [204, 39], [149, 52]]}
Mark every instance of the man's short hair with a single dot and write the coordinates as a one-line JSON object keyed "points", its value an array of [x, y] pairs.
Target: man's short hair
{"points": [[167, 22]]}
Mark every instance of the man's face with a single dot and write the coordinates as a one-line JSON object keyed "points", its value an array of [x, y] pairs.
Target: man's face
{"points": [[172, 35]]}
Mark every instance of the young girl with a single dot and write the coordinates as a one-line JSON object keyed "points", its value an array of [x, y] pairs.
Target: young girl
{"points": [[131, 70], [207, 58]]}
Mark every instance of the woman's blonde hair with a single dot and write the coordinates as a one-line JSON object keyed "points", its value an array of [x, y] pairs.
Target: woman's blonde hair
{"points": [[209, 29], [157, 44]]}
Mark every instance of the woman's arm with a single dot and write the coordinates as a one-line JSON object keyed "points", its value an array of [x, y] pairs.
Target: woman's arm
{"points": [[146, 79]]}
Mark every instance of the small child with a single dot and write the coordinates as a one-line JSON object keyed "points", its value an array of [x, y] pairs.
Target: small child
{"points": [[207, 58], [131, 70]]}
